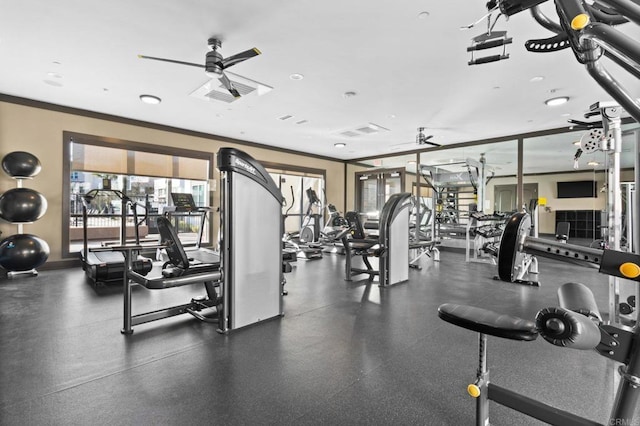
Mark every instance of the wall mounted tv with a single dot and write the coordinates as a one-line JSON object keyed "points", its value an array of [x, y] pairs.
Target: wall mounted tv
{"points": [[577, 189]]}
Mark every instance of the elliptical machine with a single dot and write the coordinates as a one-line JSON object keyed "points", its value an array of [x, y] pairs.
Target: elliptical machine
{"points": [[333, 228], [310, 229], [303, 241]]}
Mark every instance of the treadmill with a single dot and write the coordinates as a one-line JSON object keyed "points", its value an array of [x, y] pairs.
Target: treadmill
{"points": [[183, 203], [108, 267]]}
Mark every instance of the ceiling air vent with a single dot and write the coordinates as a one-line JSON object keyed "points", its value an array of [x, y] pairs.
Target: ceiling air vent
{"points": [[367, 130], [213, 90], [364, 130]]}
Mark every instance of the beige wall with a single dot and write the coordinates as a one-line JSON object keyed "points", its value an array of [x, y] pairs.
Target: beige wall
{"points": [[39, 131]]}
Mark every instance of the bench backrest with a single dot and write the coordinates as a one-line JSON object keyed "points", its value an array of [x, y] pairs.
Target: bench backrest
{"points": [[169, 238]]}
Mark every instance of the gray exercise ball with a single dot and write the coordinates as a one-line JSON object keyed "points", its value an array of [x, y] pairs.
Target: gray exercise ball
{"points": [[22, 205], [20, 164]]}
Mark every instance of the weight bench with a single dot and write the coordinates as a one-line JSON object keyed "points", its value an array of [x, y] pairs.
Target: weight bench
{"points": [[178, 271], [577, 324]]}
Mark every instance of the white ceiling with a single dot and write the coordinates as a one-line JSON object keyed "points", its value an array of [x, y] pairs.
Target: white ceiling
{"points": [[406, 71]]}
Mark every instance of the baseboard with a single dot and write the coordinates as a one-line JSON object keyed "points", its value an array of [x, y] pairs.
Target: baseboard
{"points": [[61, 264]]}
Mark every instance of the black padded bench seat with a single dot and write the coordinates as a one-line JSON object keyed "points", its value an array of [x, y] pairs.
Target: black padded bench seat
{"points": [[162, 282], [488, 322], [363, 244]]}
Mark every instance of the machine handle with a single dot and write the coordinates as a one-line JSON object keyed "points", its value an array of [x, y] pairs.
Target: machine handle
{"points": [[578, 298]]}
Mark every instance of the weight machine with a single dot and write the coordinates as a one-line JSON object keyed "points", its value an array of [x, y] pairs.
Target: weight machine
{"points": [[245, 284], [391, 246], [516, 255], [586, 27], [453, 190]]}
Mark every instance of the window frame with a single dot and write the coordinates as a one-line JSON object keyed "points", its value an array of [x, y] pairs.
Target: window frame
{"points": [[80, 138]]}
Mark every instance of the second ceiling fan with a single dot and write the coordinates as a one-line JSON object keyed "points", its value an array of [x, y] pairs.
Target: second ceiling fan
{"points": [[215, 64]]}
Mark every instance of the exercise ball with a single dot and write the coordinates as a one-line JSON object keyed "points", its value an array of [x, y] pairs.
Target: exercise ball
{"points": [[23, 252], [20, 164], [22, 205]]}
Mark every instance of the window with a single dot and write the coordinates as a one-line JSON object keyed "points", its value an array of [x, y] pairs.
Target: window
{"points": [[147, 174], [294, 183]]}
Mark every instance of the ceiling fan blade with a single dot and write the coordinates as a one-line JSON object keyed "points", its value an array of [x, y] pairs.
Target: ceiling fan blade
{"points": [[239, 57], [229, 86], [170, 60]]}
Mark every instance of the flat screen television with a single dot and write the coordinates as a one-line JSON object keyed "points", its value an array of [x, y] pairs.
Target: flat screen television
{"points": [[577, 189]]}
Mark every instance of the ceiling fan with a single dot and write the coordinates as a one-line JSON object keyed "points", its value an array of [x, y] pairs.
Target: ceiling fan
{"points": [[215, 64], [421, 139]]}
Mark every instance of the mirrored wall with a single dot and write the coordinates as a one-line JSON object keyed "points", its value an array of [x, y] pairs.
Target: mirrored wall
{"points": [[485, 177]]}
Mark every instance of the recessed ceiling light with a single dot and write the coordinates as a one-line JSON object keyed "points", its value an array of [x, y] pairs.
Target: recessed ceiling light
{"points": [[557, 101], [411, 162], [150, 99], [577, 143], [392, 116], [339, 145], [53, 83], [593, 163], [296, 76], [423, 15], [536, 79], [566, 114]]}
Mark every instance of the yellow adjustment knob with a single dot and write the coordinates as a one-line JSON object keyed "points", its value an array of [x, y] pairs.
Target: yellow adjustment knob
{"points": [[473, 390], [630, 270], [580, 21]]}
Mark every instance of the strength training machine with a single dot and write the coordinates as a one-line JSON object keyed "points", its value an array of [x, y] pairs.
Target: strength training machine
{"points": [[391, 246], [245, 286], [588, 29], [577, 324]]}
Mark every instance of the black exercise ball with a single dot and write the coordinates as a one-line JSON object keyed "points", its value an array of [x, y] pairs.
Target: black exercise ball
{"points": [[22, 205], [23, 252], [20, 164]]}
